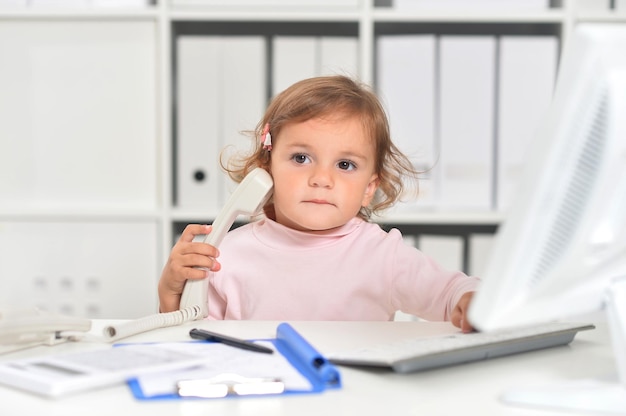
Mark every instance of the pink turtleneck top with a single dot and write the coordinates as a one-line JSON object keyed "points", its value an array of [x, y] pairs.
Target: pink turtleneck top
{"points": [[356, 272]]}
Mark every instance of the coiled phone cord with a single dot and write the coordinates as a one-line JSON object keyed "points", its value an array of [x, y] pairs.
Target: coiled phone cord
{"points": [[113, 333]]}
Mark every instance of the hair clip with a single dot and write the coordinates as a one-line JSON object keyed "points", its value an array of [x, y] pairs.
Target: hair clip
{"points": [[266, 137]]}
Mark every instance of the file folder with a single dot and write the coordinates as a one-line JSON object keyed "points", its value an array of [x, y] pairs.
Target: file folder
{"points": [[460, 5], [527, 70], [466, 123], [339, 55], [197, 167], [480, 246], [407, 86], [299, 57], [294, 59], [243, 97], [320, 374], [219, 95], [447, 250]]}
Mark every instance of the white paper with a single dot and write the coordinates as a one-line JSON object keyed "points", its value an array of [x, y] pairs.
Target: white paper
{"points": [[222, 359]]}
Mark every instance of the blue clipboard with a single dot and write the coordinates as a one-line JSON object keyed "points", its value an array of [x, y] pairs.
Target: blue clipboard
{"points": [[321, 374]]}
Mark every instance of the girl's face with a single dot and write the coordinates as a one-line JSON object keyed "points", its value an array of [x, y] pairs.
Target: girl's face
{"points": [[324, 172]]}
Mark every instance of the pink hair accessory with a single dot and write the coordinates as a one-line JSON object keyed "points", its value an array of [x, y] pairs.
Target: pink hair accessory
{"points": [[266, 137]]}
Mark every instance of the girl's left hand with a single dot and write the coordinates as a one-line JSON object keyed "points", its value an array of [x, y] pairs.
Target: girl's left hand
{"points": [[459, 313]]}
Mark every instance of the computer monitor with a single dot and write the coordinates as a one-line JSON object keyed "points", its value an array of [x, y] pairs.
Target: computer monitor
{"points": [[561, 249]]}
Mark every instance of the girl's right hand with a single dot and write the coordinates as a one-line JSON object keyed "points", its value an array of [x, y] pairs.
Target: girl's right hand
{"points": [[187, 260]]}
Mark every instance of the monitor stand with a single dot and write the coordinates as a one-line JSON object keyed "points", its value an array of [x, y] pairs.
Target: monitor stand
{"points": [[592, 396]]}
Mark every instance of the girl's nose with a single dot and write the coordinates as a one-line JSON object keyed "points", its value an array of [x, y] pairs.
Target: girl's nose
{"points": [[321, 177]]}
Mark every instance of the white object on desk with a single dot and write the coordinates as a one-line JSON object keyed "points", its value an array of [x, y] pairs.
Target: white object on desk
{"points": [[63, 374], [24, 328]]}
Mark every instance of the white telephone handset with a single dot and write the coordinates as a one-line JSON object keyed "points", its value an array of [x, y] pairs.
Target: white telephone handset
{"points": [[23, 328], [248, 199]]}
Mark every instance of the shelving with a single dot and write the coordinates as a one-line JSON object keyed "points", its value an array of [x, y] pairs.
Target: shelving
{"points": [[132, 177], [79, 163]]}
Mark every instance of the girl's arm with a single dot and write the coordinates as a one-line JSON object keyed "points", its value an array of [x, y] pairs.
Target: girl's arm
{"points": [[187, 260]]}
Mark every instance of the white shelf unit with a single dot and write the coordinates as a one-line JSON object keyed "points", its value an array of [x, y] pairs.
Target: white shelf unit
{"points": [[146, 226]]}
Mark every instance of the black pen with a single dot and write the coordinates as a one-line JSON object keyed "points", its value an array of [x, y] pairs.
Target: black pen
{"points": [[224, 339]]}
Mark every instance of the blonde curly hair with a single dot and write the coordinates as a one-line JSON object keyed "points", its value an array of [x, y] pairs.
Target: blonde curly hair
{"points": [[325, 96]]}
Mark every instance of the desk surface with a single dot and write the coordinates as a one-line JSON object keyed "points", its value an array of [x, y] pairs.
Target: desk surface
{"points": [[466, 389]]}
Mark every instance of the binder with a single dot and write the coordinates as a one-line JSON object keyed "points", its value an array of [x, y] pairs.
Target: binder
{"points": [[294, 59], [480, 246], [527, 70], [407, 86], [338, 55], [243, 95], [446, 250], [59, 3], [299, 353], [456, 5], [299, 57], [120, 3], [466, 121], [197, 126], [220, 95], [270, 4]]}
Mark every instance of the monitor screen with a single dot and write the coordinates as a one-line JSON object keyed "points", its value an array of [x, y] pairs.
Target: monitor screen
{"points": [[564, 238]]}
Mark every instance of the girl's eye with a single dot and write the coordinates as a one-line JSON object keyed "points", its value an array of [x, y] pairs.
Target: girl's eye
{"points": [[346, 165], [300, 158]]}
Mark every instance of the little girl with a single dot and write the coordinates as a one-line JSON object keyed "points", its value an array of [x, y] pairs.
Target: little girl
{"points": [[315, 256]]}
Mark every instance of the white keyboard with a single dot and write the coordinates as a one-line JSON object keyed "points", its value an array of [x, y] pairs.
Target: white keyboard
{"points": [[421, 353]]}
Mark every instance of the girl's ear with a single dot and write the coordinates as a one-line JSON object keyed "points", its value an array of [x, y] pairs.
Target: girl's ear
{"points": [[370, 190]]}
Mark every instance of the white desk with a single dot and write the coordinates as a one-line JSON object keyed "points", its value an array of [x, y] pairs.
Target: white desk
{"points": [[467, 389]]}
